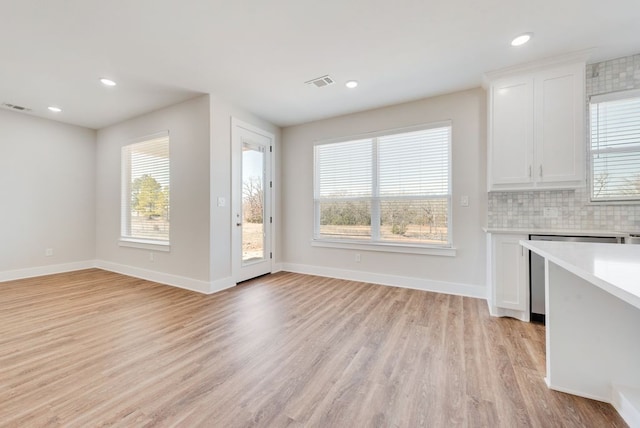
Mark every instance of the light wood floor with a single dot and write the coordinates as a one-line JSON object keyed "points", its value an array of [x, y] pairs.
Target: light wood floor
{"points": [[96, 348]]}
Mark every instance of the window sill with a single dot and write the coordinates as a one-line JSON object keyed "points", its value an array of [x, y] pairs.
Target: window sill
{"points": [[145, 244], [385, 247]]}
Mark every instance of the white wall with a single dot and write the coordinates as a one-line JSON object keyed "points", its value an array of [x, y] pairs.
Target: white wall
{"points": [[47, 189], [53, 172], [221, 217], [187, 264], [463, 274], [65, 182]]}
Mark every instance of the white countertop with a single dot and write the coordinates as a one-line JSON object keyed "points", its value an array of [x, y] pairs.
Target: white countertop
{"points": [[558, 232], [615, 268]]}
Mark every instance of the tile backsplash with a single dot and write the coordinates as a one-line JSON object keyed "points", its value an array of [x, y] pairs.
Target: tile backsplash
{"points": [[525, 210], [615, 75], [572, 209]]}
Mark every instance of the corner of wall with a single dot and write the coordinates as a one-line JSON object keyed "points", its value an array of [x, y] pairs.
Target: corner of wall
{"points": [[155, 276]]}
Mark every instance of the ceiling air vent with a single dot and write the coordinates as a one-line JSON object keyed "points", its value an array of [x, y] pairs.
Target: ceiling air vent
{"points": [[319, 82], [15, 107]]}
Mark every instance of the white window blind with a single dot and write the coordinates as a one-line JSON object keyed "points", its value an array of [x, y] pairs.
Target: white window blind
{"points": [[615, 147], [146, 189], [393, 187], [415, 163], [345, 169]]}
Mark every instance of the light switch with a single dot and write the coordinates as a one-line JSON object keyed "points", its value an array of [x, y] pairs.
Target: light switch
{"points": [[464, 201]]}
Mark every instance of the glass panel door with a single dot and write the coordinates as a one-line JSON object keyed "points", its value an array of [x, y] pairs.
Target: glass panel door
{"points": [[253, 203], [251, 206]]}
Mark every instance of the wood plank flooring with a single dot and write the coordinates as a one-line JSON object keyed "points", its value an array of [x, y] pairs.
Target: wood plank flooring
{"points": [[94, 348]]}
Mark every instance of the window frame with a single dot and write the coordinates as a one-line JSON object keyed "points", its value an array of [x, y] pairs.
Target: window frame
{"points": [[596, 99], [375, 242], [126, 240]]}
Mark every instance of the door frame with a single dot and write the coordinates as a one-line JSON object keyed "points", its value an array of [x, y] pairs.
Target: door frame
{"points": [[237, 271]]}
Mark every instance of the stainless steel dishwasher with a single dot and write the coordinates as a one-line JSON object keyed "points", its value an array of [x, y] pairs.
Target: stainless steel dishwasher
{"points": [[536, 269]]}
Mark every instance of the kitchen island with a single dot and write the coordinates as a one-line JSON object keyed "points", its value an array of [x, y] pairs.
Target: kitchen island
{"points": [[593, 321]]}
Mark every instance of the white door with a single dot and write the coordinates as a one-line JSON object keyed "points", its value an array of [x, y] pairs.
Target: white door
{"points": [[251, 201]]}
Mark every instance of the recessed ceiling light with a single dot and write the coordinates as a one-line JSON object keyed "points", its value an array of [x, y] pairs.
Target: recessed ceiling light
{"points": [[107, 82], [55, 109], [521, 39], [351, 84]]}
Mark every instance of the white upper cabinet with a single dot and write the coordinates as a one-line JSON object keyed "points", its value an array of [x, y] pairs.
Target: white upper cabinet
{"points": [[559, 131], [511, 149], [536, 129]]}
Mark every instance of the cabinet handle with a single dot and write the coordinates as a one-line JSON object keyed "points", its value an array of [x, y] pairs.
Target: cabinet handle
{"points": [[540, 170]]}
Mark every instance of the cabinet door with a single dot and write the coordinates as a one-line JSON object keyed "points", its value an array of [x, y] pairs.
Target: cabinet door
{"points": [[559, 124], [510, 132], [510, 272]]}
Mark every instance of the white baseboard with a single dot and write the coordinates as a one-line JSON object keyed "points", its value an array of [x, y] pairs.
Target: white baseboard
{"points": [[12, 275], [276, 267], [221, 284], [501, 312], [225, 283], [161, 277], [576, 392], [627, 403], [391, 280]]}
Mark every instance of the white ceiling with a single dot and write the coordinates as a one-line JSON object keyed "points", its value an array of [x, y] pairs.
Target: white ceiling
{"points": [[258, 53]]}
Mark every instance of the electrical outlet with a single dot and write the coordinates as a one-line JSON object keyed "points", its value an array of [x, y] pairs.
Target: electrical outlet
{"points": [[48, 252], [550, 212], [358, 258]]}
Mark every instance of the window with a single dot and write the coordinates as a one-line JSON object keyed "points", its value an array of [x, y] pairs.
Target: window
{"points": [[390, 188], [615, 146], [145, 191]]}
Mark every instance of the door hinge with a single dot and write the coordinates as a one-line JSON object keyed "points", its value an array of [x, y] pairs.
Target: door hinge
{"points": [[270, 255], [270, 149], [270, 219], [271, 184]]}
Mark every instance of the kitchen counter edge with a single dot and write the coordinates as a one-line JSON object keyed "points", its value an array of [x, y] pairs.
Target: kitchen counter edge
{"points": [[558, 232]]}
